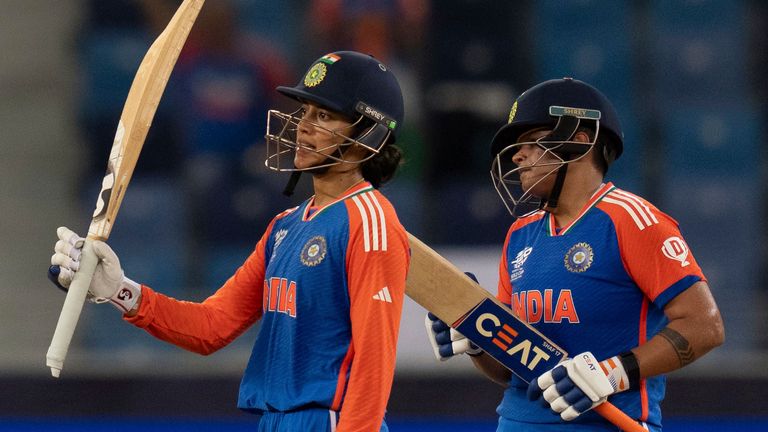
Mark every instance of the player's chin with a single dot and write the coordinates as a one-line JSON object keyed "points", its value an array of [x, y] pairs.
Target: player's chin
{"points": [[304, 158]]}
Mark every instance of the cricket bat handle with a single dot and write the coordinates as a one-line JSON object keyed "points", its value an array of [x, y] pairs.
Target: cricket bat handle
{"points": [[618, 418], [70, 312]]}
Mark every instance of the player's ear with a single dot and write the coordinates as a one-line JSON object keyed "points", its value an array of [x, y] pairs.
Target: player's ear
{"points": [[582, 136]]}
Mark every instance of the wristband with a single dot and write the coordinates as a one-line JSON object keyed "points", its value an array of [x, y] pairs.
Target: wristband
{"points": [[629, 361]]}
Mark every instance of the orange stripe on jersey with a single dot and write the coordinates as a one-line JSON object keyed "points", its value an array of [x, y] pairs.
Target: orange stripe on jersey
{"points": [[523, 221], [341, 383], [643, 337]]}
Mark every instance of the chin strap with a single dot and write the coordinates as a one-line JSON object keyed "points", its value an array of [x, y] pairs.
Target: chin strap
{"points": [[291, 185], [556, 141], [554, 196]]}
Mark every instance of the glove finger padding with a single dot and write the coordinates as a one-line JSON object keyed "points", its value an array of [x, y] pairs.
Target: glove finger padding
{"points": [[431, 322], [573, 387], [61, 281], [447, 342]]}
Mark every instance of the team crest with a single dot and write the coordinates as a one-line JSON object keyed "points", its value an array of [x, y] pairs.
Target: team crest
{"points": [[313, 253], [315, 75], [579, 258]]}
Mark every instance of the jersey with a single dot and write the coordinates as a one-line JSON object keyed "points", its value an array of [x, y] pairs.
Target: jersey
{"points": [[599, 284], [328, 286]]}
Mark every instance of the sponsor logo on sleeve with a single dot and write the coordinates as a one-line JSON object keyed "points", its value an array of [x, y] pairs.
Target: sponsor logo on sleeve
{"points": [[675, 248]]}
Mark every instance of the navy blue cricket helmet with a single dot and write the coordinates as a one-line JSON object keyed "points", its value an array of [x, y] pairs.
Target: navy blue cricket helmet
{"points": [[354, 84], [532, 110]]}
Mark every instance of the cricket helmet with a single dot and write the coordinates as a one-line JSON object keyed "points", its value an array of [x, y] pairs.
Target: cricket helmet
{"points": [[562, 106], [532, 109], [353, 84]]}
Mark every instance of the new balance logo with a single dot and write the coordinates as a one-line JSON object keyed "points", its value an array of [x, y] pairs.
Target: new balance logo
{"points": [[383, 295]]}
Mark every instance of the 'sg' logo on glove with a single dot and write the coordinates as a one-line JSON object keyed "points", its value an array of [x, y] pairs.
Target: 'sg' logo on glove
{"points": [[124, 294]]}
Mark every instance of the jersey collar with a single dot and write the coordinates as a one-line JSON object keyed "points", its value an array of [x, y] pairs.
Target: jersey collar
{"points": [[596, 197], [356, 189]]}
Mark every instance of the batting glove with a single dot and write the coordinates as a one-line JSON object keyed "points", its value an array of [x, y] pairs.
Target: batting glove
{"points": [[577, 385], [447, 342], [109, 283]]}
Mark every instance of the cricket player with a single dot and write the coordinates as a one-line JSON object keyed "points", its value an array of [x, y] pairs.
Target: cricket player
{"points": [[326, 279], [599, 270]]}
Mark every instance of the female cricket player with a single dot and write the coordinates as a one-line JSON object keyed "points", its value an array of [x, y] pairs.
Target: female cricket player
{"points": [[599, 270], [326, 279]]}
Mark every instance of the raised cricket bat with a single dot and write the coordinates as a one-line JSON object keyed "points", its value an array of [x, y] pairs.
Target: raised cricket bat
{"points": [[135, 120], [447, 292]]}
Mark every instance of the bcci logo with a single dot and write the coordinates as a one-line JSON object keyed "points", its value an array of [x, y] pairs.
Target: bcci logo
{"points": [[313, 253], [315, 75], [579, 258]]}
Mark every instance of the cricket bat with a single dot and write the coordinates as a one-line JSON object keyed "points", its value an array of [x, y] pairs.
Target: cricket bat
{"points": [[139, 110], [441, 288]]}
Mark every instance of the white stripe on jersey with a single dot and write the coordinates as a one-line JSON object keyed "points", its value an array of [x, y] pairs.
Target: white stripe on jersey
{"points": [[364, 217], [629, 210], [373, 220], [638, 202], [383, 222], [334, 420], [634, 207]]}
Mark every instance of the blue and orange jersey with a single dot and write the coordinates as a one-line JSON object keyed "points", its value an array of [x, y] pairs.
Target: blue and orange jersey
{"points": [[599, 284], [328, 286]]}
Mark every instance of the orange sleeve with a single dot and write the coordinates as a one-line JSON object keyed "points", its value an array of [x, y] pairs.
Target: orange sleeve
{"points": [[380, 271], [208, 326], [652, 249]]}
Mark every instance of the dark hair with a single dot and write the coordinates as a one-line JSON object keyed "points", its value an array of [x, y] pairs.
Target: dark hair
{"points": [[605, 144], [381, 168]]}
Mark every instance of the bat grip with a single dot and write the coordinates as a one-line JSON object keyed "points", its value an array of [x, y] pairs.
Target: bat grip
{"points": [[618, 418], [70, 312]]}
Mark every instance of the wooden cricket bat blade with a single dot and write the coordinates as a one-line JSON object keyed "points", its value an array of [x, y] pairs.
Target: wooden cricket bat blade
{"points": [[441, 288], [139, 110]]}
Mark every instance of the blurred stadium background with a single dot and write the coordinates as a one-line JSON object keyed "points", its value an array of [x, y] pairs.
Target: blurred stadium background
{"points": [[687, 76]]}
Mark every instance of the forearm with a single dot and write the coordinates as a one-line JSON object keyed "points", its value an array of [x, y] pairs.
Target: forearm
{"points": [[677, 345], [492, 369], [695, 328]]}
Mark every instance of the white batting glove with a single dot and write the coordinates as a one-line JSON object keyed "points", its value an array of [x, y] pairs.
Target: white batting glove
{"points": [[447, 342], [109, 283], [579, 384]]}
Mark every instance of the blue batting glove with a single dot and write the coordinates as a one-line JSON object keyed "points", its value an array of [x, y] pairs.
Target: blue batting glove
{"points": [[577, 385], [447, 342]]}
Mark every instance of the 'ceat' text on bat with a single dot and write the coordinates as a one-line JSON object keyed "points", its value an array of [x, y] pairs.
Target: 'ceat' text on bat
{"points": [[441, 288]]}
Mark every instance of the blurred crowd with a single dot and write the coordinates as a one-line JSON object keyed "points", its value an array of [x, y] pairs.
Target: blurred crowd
{"points": [[685, 86]]}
